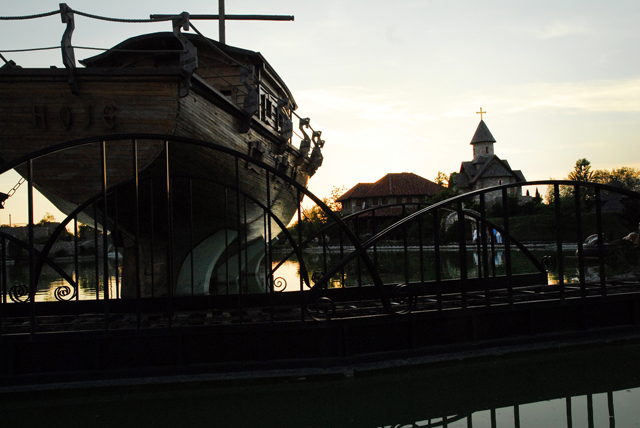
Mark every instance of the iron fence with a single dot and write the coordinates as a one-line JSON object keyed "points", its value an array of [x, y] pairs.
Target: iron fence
{"points": [[155, 237]]}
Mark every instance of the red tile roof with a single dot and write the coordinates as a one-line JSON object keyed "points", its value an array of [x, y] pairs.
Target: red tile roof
{"points": [[394, 184]]}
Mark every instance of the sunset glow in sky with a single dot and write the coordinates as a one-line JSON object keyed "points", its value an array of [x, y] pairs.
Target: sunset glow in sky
{"points": [[395, 86]]}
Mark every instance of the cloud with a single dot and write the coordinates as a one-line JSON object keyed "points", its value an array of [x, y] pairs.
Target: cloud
{"points": [[558, 28], [366, 106], [619, 96]]}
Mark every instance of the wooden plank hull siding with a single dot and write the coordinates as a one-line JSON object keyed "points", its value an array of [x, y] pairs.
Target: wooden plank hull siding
{"points": [[38, 109]]}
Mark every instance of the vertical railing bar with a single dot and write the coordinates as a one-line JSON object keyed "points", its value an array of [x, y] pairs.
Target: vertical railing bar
{"points": [[266, 258], [191, 239], [4, 272], [506, 240], [610, 407], [152, 240], [3, 278], [324, 253], [516, 416], [590, 421], [32, 285], [239, 239], [136, 202], [479, 248], [558, 222], [269, 285], [492, 261], [246, 242], [462, 247], [483, 252], [105, 236], [578, 211], [358, 266], [342, 282], [169, 201], [76, 257], [226, 238], [436, 254], [599, 229], [405, 241], [569, 413], [302, 311], [116, 239], [96, 261], [374, 231], [421, 245]]}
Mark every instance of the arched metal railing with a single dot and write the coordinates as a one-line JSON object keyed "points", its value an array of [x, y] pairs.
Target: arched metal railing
{"points": [[149, 212], [117, 207], [570, 209]]}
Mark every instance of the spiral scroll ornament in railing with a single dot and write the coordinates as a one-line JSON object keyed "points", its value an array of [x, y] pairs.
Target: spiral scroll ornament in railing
{"points": [[549, 263], [322, 309], [279, 284], [317, 276], [402, 299], [19, 293], [64, 293]]}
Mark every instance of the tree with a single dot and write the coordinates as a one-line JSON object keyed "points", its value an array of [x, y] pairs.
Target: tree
{"points": [[442, 179], [46, 219], [581, 171], [625, 177], [315, 218]]}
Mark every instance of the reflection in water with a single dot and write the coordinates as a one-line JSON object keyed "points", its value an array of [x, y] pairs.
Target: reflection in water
{"points": [[90, 277], [586, 387], [398, 266]]}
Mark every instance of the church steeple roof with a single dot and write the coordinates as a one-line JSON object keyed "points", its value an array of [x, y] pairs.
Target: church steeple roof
{"points": [[482, 135]]}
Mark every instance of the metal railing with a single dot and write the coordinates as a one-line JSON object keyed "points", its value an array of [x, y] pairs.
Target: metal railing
{"points": [[160, 241]]}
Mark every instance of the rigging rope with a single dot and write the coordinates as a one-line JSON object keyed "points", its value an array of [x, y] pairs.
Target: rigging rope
{"points": [[87, 15], [134, 21], [91, 49], [40, 15]]}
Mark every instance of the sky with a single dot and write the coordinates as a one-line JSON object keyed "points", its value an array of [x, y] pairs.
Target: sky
{"points": [[395, 86]]}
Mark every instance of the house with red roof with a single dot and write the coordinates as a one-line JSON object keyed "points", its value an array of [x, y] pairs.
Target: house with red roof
{"points": [[393, 188]]}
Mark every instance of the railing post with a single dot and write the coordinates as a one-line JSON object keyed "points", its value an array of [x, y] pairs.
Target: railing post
{"points": [[96, 240], [3, 278], [507, 244], [601, 259], [152, 227], [436, 255], [239, 239], [3, 272], [405, 241], [105, 237], [76, 257], [136, 183], [462, 245], [169, 225], [191, 241], [484, 253], [302, 302], [558, 222], [420, 246], [32, 284], [578, 211]]}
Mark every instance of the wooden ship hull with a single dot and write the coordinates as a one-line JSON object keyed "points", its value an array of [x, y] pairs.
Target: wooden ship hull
{"points": [[236, 101]]}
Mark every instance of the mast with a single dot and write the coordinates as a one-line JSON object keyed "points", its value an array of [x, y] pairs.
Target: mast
{"points": [[222, 17]]}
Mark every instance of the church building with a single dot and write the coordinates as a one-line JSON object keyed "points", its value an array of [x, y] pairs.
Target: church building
{"points": [[487, 169]]}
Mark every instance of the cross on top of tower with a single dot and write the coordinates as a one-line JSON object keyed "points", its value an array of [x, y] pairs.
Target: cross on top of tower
{"points": [[481, 113]]}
